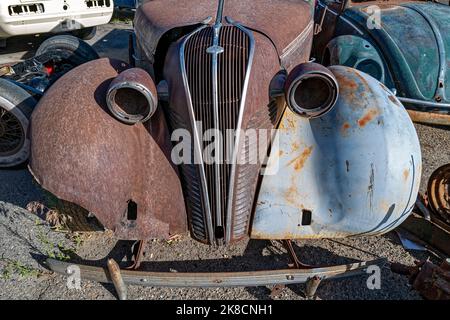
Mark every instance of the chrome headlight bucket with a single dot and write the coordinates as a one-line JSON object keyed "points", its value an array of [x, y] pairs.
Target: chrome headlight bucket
{"points": [[311, 90], [132, 96]]}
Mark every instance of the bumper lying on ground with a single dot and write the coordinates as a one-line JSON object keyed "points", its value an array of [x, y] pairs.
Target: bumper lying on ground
{"points": [[215, 279], [45, 16]]}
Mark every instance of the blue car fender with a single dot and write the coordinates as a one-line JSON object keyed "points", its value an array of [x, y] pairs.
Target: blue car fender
{"points": [[354, 171]]}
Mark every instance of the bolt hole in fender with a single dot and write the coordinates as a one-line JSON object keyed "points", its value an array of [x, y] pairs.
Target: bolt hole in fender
{"points": [[356, 168]]}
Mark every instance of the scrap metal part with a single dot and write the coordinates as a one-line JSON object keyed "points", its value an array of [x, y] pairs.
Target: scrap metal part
{"points": [[429, 118], [116, 278], [434, 233], [430, 280], [439, 192], [216, 279]]}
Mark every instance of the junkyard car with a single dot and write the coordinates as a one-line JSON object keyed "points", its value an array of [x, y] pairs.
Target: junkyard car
{"points": [[403, 44], [23, 83], [20, 17], [133, 146]]}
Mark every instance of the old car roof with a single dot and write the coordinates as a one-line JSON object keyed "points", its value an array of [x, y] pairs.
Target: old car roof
{"points": [[280, 20]]}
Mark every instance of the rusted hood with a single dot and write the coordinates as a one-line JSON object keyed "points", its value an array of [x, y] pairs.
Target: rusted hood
{"points": [[281, 20]]}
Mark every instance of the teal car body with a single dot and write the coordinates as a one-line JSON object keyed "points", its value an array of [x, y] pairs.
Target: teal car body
{"points": [[405, 45]]}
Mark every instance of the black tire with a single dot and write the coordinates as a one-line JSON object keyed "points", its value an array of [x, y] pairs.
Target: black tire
{"points": [[85, 33], [73, 217], [80, 51], [16, 106]]}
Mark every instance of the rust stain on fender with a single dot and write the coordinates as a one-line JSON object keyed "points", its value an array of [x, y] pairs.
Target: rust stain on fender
{"points": [[299, 162], [405, 174], [345, 127], [368, 116], [346, 82]]}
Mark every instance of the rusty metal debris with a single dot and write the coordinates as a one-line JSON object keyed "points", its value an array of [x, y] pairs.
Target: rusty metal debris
{"points": [[429, 117], [430, 280], [296, 263], [435, 234], [116, 278], [421, 204], [433, 227], [439, 192], [311, 287]]}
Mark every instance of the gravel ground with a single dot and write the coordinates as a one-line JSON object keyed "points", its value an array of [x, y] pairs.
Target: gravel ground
{"points": [[25, 239]]}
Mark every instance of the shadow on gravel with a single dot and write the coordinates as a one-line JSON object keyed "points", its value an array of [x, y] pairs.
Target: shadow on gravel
{"points": [[17, 187], [416, 254], [253, 259]]}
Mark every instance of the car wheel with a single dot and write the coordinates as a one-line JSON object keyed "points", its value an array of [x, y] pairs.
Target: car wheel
{"points": [[85, 33], [16, 106], [80, 51]]}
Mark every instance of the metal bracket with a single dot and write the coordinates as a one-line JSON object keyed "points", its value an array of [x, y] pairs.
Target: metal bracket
{"points": [[296, 263], [311, 284], [138, 252], [318, 27]]}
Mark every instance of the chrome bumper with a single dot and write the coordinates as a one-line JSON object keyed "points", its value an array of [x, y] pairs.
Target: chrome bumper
{"points": [[215, 279]]}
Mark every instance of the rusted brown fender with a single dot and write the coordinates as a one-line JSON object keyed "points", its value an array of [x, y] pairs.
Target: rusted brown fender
{"points": [[80, 153]]}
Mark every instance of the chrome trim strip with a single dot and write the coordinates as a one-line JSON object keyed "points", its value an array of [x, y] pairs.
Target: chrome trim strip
{"points": [[197, 142], [299, 40], [351, 24], [215, 50], [425, 103], [216, 279], [342, 17], [238, 127]]}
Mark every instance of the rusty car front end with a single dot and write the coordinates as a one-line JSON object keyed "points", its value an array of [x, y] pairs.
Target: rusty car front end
{"points": [[338, 155]]}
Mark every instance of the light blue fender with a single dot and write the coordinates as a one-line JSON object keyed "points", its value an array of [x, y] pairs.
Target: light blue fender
{"points": [[354, 171]]}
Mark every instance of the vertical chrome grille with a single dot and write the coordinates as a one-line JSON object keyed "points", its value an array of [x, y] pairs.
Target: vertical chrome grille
{"points": [[232, 66], [248, 173]]}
